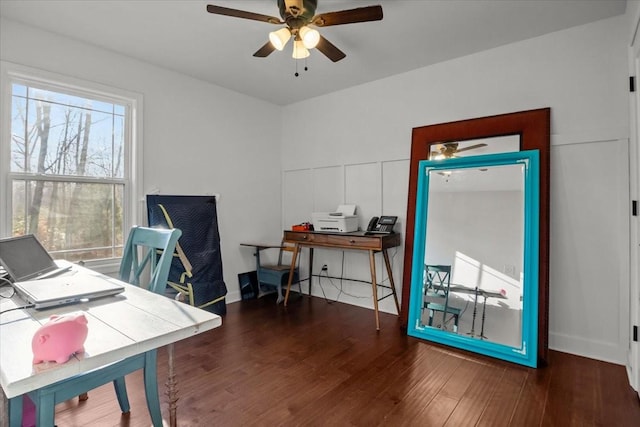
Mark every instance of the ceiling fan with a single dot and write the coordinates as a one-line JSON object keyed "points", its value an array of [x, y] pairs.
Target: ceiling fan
{"points": [[298, 17], [448, 150]]}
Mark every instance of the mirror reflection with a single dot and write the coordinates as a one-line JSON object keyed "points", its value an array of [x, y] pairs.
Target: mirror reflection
{"points": [[474, 253], [474, 147]]}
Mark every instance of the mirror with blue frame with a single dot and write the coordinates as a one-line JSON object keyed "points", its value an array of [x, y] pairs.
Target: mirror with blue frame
{"points": [[474, 281]]}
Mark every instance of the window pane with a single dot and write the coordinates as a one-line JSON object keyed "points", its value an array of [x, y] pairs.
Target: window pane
{"points": [[74, 221], [118, 147], [19, 90], [57, 134], [70, 100], [18, 134]]}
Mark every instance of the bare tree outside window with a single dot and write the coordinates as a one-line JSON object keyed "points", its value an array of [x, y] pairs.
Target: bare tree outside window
{"points": [[67, 157]]}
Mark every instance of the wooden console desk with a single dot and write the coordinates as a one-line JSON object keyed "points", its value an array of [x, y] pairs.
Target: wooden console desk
{"points": [[356, 240]]}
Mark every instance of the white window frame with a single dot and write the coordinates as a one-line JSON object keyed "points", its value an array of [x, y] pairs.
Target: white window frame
{"points": [[14, 73]]}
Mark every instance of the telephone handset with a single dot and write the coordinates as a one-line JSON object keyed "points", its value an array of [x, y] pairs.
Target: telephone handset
{"points": [[382, 225]]}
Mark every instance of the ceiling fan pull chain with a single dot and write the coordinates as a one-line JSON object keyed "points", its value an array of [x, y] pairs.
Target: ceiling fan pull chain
{"points": [[296, 74]]}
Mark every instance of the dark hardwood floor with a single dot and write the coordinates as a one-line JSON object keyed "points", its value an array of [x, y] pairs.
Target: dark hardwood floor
{"points": [[320, 364]]}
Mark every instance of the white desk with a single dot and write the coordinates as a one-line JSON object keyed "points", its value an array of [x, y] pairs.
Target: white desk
{"points": [[485, 294], [124, 325]]}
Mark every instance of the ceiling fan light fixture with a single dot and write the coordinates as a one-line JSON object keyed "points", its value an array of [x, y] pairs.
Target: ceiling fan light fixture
{"points": [[299, 51], [310, 37], [280, 38]]}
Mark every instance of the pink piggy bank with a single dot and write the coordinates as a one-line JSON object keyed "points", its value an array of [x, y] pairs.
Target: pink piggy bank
{"points": [[60, 338]]}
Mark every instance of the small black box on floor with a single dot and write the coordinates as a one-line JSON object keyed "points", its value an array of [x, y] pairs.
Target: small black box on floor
{"points": [[248, 285]]}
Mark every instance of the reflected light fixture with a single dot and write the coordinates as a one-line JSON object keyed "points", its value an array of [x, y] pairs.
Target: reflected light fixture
{"points": [[310, 37], [299, 51], [280, 38]]}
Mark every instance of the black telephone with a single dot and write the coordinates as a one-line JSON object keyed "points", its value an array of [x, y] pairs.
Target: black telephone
{"points": [[382, 225]]}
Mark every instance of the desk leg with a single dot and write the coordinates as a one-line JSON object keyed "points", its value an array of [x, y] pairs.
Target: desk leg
{"points": [[374, 286], [310, 269], [390, 276], [10, 411], [294, 259], [484, 307], [172, 392], [257, 255], [475, 311]]}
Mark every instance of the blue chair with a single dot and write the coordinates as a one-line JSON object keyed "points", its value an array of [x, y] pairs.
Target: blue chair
{"points": [[436, 291], [146, 247], [276, 275]]}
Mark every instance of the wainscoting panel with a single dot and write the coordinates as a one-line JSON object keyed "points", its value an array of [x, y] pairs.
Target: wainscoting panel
{"points": [[589, 263], [297, 199], [328, 188]]}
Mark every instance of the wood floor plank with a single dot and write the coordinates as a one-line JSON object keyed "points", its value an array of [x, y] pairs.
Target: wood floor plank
{"points": [[411, 410], [475, 399], [319, 364], [505, 398]]}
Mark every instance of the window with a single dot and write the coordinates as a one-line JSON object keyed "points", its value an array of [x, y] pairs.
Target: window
{"points": [[68, 159]]}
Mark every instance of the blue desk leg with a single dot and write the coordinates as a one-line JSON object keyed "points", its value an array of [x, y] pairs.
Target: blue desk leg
{"points": [[15, 411], [45, 408]]}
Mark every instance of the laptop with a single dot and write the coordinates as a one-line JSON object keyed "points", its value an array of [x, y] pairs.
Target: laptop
{"points": [[77, 286], [24, 258], [32, 270]]}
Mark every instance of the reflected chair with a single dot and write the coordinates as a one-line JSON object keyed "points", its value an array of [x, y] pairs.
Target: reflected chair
{"points": [[436, 294], [146, 260], [276, 275]]}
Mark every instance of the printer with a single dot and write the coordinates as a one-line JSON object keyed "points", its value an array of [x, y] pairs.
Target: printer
{"points": [[343, 220]]}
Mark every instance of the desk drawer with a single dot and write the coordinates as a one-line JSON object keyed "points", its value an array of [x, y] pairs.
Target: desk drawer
{"points": [[297, 236], [335, 240], [362, 242]]}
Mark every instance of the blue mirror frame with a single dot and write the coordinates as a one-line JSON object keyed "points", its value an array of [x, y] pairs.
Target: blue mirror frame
{"points": [[526, 352]]}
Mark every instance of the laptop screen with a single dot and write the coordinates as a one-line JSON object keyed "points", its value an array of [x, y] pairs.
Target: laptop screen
{"points": [[24, 257]]}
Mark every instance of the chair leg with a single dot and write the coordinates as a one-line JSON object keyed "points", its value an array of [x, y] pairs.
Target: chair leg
{"points": [[151, 388], [121, 394]]}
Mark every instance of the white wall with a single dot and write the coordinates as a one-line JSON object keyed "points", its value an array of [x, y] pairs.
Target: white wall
{"points": [[195, 139], [581, 73]]}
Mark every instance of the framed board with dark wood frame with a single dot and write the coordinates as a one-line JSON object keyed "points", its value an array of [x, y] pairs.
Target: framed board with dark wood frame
{"points": [[534, 128]]}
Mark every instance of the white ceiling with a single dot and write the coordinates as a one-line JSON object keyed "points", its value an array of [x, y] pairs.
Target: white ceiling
{"points": [[182, 36]]}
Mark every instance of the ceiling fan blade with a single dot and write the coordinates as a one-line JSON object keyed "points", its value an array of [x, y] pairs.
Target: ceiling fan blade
{"points": [[219, 10], [471, 147], [360, 14], [265, 50], [329, 50]]}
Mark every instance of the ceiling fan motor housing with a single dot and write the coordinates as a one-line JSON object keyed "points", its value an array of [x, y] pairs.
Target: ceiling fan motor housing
{"points": [[304, 15]]}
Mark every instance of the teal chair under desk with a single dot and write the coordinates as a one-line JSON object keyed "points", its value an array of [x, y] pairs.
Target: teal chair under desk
{"points": [[148, 253]]}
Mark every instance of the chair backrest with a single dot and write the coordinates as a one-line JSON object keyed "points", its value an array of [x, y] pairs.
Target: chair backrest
{"points": [[437, 279], [285, 247], [152, 247]]}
